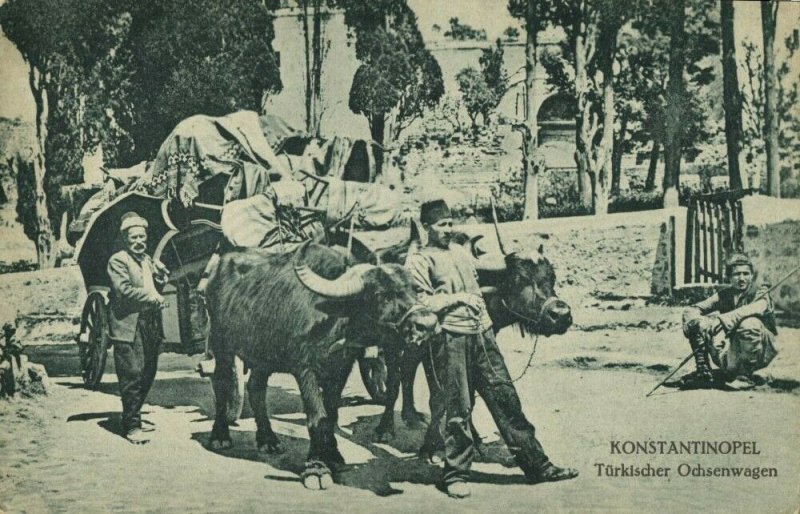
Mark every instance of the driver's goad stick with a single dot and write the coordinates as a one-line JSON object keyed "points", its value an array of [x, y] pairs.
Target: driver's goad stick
{"points": [[688, 357]]}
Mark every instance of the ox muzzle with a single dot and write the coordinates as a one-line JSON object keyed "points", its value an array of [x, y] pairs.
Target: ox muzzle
{"points": [[556, 316], [552, 317], [417, 325]]}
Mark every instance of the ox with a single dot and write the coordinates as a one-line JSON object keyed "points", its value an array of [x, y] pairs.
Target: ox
{"points": [[260, 311], [521, 291]]}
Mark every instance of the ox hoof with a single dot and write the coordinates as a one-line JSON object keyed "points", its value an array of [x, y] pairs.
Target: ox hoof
{"points": [[415, 420], [316, 476], [221, 444]]}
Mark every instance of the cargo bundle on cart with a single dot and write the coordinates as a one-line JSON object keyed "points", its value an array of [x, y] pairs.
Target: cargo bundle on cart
{"points": [[242, 180]]}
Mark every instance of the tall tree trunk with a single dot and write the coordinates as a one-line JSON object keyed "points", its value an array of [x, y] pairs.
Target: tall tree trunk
{"points": [[308, 78], [608, 39], [673, 133], [769, 15], [655, 151], [44, 231], [616, 155], [530, 140], [732, 100], [316, 70], [586, 120], [377, 129]]}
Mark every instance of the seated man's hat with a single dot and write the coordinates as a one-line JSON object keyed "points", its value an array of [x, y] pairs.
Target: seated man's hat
{"points": [[130, 219], [433, 211], [738, 259]]}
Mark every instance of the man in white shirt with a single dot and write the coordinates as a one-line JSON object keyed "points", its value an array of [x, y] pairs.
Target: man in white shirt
{"points": [[466, 358]]}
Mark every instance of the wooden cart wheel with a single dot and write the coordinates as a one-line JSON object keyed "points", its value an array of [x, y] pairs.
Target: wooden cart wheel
{"points": [[93, 343], [373, 374]]}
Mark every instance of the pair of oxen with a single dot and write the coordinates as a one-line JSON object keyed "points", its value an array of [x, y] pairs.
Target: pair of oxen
{"points": [[316, 327]]}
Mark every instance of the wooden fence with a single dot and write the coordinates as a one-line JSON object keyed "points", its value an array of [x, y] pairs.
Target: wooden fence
{"points": [[714, 227]]}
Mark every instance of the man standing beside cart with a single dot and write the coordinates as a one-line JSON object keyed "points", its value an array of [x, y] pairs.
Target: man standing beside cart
{"points": [[135, 326]]}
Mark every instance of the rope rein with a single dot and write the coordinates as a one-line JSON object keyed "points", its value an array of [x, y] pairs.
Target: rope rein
{"points": [[542, 310], [521, 317]]}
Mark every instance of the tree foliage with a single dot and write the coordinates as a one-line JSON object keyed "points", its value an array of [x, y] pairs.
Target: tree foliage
{"points": [[68, 46], [789, 107], [22, 169], [492, 70], [479, 99], [463, 32], [190, 57], [482, 90], [119, 74], [640, 83], [511, 33], [398, 79]]}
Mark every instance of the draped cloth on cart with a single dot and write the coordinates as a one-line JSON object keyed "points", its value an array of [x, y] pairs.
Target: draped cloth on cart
{"points": [[197, 160], [265, 176], [202, 147]]}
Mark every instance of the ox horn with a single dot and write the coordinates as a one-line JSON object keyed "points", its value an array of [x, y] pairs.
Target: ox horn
{"points": [[497, 227], [349, 284]]}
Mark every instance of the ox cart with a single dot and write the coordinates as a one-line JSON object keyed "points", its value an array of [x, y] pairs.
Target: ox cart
{"points": [[183, 244], [205, 166]]}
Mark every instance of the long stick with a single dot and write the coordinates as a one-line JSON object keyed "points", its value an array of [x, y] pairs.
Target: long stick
{"points": [[497, 227], [688, 357]]}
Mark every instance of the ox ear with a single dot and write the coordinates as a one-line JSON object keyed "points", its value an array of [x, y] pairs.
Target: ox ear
{"points": [[418, 233]]}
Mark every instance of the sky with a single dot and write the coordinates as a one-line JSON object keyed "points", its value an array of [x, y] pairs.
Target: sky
{"points": [[491, 15]]}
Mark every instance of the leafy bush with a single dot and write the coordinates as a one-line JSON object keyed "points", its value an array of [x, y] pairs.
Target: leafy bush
{"points": [[568, 203], [553, 202], [18, 266], [508, 196], [632, 201], [790, 182]]}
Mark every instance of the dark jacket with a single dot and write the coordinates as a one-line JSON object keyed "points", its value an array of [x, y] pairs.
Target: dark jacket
{"points": [[128, 297]]}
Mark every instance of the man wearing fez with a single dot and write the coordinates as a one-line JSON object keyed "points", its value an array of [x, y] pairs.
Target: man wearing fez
{"points": [[745, 313], [466, 358], [135, 322]]}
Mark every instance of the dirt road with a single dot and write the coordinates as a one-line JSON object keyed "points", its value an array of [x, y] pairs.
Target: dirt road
{"points": [[60, 453]]}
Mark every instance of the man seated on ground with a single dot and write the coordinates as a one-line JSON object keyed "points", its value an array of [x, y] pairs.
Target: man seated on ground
{"points": [[746, 315]]}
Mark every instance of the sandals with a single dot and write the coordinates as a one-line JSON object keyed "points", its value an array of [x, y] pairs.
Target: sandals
{"points": [[552, 473]]}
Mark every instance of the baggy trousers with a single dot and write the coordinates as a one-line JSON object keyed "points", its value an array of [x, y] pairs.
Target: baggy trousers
{"points": [[464, 364], [136, 364], [752, 347]]}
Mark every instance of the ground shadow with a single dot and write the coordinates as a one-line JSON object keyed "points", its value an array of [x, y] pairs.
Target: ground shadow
{"points": [[395, 462], [198, 392], [88, 416], [759, 384]]}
